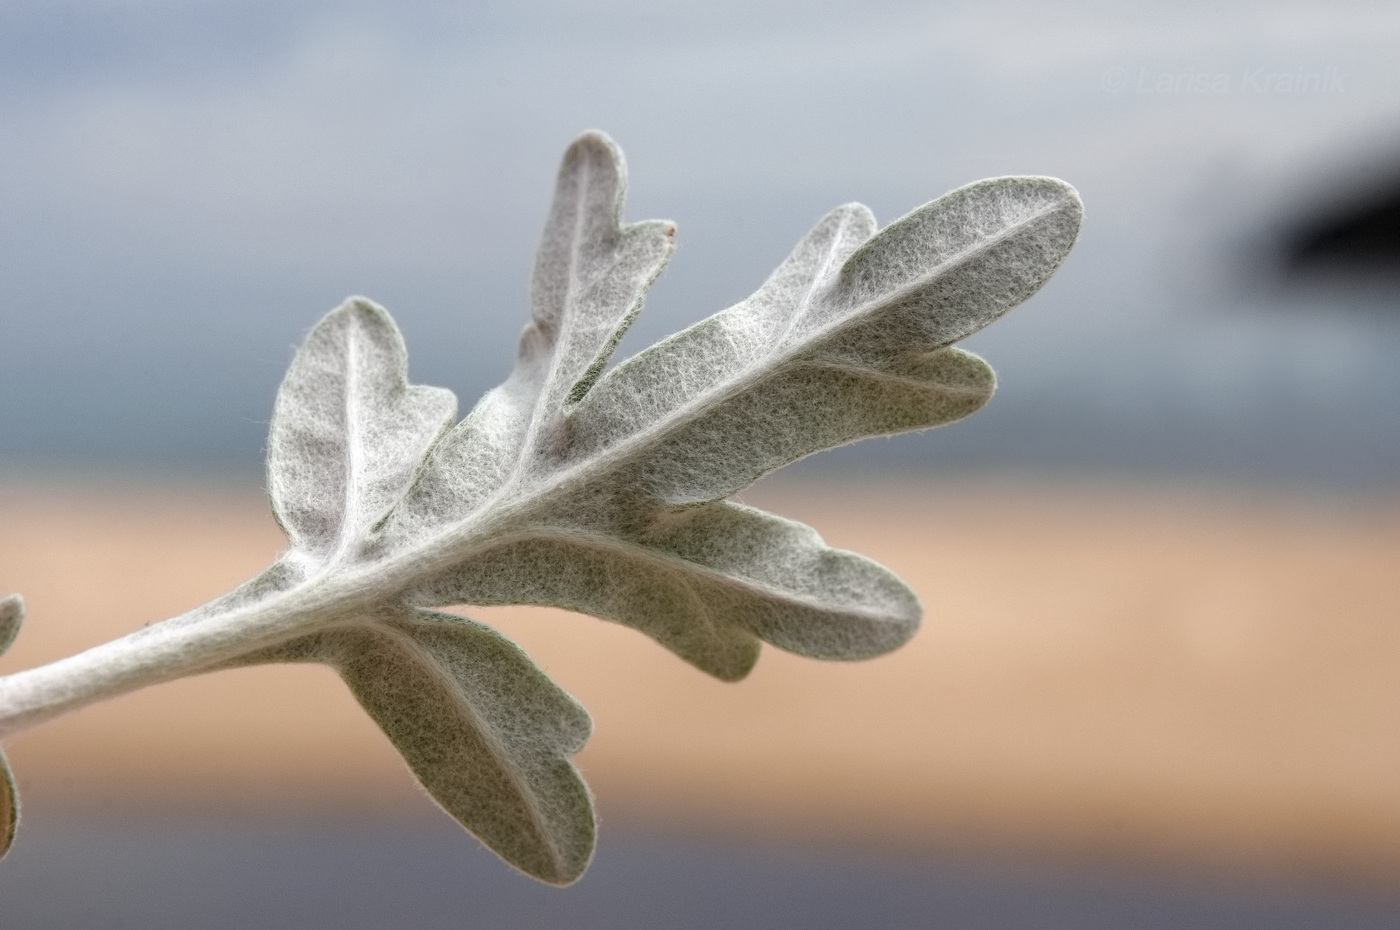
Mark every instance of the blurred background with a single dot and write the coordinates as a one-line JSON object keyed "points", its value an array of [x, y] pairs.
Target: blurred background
{"points": [[1157, 680]]}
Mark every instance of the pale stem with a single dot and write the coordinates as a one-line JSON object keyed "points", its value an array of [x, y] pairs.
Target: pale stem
{"points": [[201, 641], [164, 651]]}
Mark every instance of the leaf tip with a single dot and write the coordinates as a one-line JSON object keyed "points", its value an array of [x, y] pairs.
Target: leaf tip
{"points": [[1059, 196], [596, 149], [857, 212], [1074, 204], [362, 307], [734, 667], [596, 141]]}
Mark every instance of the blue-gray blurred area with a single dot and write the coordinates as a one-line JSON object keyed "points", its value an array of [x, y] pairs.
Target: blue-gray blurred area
{"points": [[131, 873], [186, 188]]}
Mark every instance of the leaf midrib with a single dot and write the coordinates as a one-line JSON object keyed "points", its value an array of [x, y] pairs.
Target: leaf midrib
{"points": [[563, 327], [354, 454], [679, 566]]}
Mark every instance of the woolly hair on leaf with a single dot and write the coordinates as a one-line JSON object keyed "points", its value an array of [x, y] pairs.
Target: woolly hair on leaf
{"points": [[482, 728], [600, 490]]}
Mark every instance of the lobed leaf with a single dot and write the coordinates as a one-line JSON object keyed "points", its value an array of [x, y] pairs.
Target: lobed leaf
{"points": [[590, 277], [484, 730], [348, 430], [706, 582], [803, 407], [846, 340], [606, 492]]}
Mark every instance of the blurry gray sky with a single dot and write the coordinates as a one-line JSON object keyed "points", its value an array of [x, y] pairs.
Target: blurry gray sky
{"points": [[186, 187]]}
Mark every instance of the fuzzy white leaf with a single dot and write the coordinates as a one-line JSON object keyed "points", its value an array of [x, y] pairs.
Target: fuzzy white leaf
{"points": [[590, 276], [601, 492], [706, 582], [485, 731], [348, 430], [840, 344], [849, 338]]}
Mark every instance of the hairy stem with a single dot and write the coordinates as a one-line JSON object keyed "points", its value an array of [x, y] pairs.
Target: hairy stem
{"points": [[206, 638], [183, 645]]}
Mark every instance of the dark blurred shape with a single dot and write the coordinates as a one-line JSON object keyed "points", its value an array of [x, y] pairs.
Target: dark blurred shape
{"points": [[1358, 235]]}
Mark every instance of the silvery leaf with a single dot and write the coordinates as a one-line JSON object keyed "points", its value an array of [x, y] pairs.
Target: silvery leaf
{"points": [[842, 343], [849, 338], [599, 491], [348, 430], [484, 730], [590, 276], [706, 582]]}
